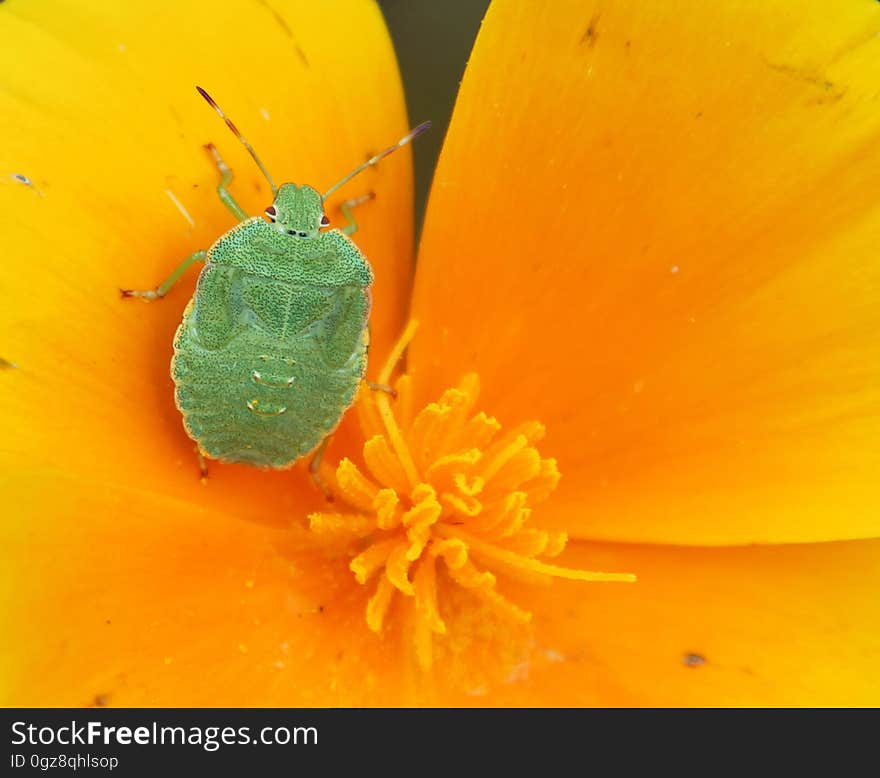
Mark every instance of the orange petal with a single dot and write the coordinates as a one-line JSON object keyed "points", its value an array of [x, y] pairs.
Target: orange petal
{"points": [[661, 227], [788, 625], [758, 626], [139, 600], [101, 113]]}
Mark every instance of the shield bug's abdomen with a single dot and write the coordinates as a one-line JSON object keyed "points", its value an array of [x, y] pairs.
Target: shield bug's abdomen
{"points": [[272, 348]]}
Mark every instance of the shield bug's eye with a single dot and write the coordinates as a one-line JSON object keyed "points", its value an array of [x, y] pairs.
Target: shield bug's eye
{"points": [[271, 213], [325, 222]]}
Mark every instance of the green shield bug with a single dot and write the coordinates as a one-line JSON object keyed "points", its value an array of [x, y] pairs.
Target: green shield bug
{"points": [[273, 344]]}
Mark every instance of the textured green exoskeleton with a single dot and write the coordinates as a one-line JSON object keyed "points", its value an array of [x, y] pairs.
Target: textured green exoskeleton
{"points": [[273, 344]]}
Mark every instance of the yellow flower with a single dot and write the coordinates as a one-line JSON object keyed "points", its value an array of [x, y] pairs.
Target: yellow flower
{"points": [[653, 230], [443, 484]]}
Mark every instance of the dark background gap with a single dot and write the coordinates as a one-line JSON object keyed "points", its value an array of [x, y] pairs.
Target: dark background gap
{"points": [[433, 40]]}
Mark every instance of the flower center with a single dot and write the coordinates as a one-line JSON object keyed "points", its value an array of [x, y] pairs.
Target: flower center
{"points": [[444, 486]]}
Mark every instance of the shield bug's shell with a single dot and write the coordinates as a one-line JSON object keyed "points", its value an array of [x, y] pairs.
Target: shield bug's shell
{"points": [[273, 345]]}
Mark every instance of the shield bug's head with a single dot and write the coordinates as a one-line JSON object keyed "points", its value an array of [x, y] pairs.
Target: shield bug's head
{"points": [[298, 211]]}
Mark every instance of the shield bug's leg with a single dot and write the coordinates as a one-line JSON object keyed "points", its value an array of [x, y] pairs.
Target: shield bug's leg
{"points": [[351, 225], [161, 290], [203, 466], [377, 387], [315, 466], [225, 180]]}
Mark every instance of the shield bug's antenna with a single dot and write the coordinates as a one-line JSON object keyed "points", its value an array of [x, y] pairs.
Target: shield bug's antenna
{"points": [[210, 101], [414, 133]]}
